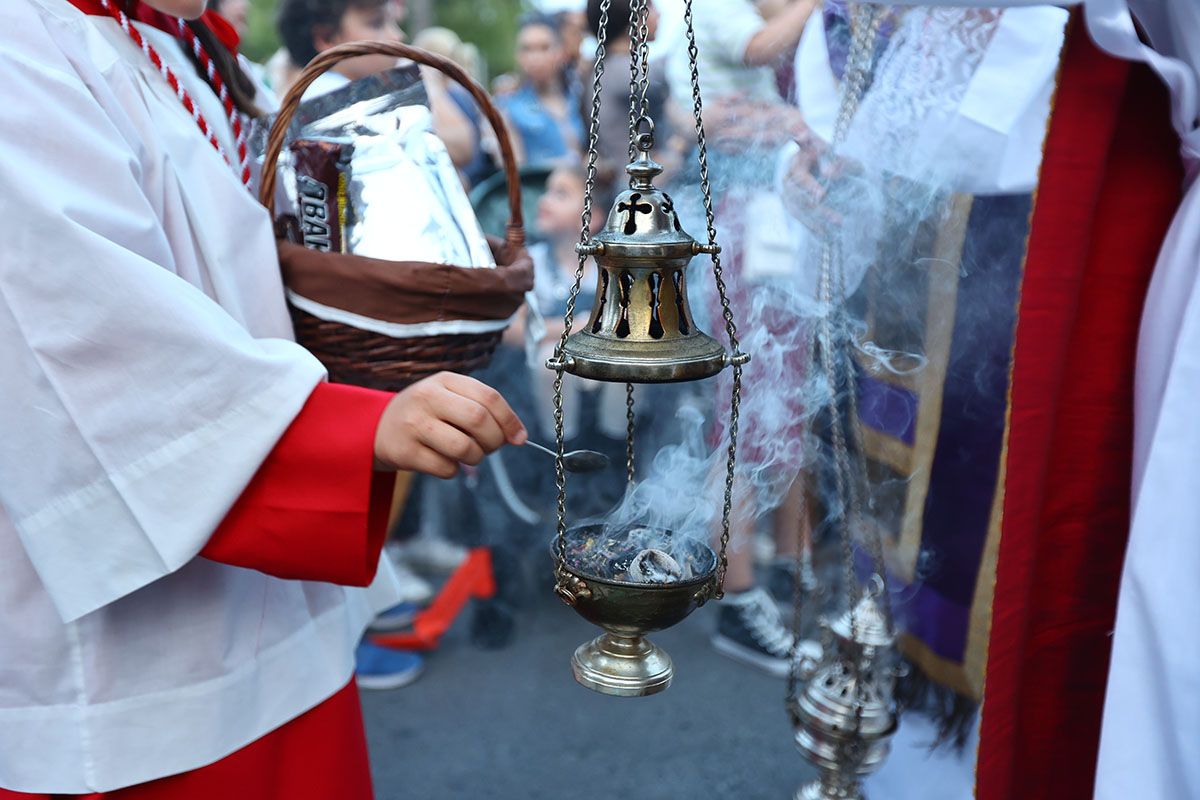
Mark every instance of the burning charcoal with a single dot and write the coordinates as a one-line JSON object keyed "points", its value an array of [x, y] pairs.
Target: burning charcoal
{"points": [[654, 566], [636, 555], [619, 566]]}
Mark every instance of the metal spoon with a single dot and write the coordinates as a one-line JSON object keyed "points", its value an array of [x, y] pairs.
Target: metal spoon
{"points": [[576, 460]]}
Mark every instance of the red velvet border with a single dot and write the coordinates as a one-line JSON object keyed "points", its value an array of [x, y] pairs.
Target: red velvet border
{"points": [[1110, 183]]}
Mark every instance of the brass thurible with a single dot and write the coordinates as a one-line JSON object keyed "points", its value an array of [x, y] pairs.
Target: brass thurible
{"points": [[641, 329], [622, 661]]}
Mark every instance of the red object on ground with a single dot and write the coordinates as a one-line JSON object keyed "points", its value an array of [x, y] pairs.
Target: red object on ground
{"points": [[1110, 182], [472, 579], [321, 754]]}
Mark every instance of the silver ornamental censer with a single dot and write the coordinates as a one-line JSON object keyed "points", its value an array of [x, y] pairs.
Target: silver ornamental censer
{"points": [[641, 330], [846, 715]]}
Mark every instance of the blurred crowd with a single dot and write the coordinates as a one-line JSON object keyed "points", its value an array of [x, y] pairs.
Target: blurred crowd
{"points": [[745, 74]]}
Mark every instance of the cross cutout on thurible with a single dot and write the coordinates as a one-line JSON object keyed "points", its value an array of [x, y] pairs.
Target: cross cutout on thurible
{"points": [[633, 207]]}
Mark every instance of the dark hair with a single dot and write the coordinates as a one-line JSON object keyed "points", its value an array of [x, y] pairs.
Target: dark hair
{"points": [[300, 21], [618, 19], [538, 19], [241, 88], [560, 19]]}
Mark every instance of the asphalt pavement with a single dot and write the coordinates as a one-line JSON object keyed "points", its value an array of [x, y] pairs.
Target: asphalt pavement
{"points": [[512, 724]]}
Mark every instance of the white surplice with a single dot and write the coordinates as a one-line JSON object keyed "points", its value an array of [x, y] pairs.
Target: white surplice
{"points": [[146, 370], [977, 128], [1150, 737]]}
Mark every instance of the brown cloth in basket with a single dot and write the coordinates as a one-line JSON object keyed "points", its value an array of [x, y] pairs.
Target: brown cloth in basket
{"points": [[409, 292], [399, 292]]}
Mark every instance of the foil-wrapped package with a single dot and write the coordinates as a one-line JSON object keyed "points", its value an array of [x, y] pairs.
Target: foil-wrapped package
{"points": [[406, 200], [369, 176]]}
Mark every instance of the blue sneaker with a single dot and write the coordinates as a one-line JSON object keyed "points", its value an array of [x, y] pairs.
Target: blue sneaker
{"points": [[396, 618], [383, 668]]}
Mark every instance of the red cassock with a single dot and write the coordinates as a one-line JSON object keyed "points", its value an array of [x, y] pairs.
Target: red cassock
{"points": [[314, 511], [1110, 184]]}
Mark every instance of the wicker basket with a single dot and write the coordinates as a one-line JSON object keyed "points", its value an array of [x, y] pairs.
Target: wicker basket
{"points": [[401, 293]]}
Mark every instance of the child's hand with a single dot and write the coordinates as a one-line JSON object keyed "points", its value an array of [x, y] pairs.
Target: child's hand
{"points": [[442, 421]]}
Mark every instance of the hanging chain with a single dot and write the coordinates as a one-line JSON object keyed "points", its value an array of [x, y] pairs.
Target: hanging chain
{"points": [[629, 424], [585, 228], [635, 55], [841, 466], [737, 358], [865, 22], [831, 350], [644, 58], [639, 77], [639, 112], [804, 560], [825, 347], [872, 534], [798, 592]]}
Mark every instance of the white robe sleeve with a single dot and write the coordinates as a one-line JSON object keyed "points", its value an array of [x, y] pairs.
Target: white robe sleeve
{"points": [[133, 408], [732, 24]]}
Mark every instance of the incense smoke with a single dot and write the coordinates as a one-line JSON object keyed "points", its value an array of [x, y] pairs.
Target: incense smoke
{"points": [[896, 203]]}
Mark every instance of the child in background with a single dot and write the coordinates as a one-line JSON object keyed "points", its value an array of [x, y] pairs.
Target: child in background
{"points": [[594, 411], [235, 11], [310, 27]]}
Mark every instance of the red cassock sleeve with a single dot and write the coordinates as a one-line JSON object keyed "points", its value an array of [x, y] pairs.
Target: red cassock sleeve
{"points": [[316, 509]]}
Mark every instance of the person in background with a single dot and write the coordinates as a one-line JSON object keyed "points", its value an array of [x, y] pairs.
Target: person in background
{"points": [[543, 114], [739, 42], [445, 42], [235, 11], [310, 27], [281, 70], [594, 411], [613, 144], [572, 28]]}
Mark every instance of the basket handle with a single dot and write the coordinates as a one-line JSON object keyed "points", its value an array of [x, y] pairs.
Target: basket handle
{"points": [[515, 233]]}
